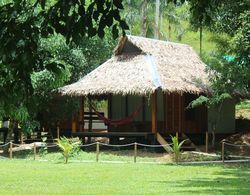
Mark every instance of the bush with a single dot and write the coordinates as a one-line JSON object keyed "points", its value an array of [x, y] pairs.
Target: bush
{"points": [[176, 148], [69, 147]]}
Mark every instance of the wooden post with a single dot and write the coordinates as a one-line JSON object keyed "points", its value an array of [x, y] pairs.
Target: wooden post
{"points": [[11, 150], [34, 150], [222, 152], [97, 151], [135, 152], [73, 126], [81, 114], [206, 141], [154, 112], [90, 119]]}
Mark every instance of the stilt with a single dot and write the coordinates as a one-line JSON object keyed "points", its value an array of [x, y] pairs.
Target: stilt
{"points": [[81, 114], [154, 112], [90, 119], [206, 141]]}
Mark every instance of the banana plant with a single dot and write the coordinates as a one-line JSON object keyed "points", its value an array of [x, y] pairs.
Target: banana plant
{"points": [[68, 147], [176, 148]]}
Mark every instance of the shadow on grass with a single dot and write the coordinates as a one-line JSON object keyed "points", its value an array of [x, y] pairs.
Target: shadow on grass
{"points": [[232, 179]]}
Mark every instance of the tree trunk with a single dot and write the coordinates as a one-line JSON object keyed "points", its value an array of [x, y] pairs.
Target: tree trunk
{"points": [[157, 18], [169, 30], [201, 39], [12, 126], [144, 18]]}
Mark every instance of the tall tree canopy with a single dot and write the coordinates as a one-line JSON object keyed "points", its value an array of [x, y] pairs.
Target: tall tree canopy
{"points": [[28, 64]]}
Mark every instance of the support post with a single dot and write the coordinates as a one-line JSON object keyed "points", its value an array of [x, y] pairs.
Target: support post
{"points": [[73, 126], [109, 109], [81, 114], [154, 112], [90, 119], [34, 150], [135, 152], [223, 151], [97, 151], [11, 150], [206, 141]]}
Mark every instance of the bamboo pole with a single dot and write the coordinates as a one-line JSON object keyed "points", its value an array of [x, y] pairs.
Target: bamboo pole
{"points": [[11, 150], [206, 141], [97, 151], [135, 152], [34, 151], [222, 152]]}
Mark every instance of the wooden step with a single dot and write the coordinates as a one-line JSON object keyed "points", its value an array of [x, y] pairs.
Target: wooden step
{"points": [[163, 142]]}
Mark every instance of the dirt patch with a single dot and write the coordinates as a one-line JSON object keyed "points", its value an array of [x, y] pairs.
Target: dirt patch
{"points": [[240, 138], [239, 144]]}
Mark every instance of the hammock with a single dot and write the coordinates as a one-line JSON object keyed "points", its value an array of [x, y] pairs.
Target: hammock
{"points": [[118, 122]]}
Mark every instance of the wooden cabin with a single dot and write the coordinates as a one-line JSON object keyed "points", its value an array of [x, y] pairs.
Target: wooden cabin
{"points": [[160, 76]]}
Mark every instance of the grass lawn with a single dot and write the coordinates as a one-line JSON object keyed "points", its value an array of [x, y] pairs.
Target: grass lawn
{"points": [[34, 177]]}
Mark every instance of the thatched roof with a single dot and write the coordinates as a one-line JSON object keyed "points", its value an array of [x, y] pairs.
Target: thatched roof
{"points": [[142, 65]]}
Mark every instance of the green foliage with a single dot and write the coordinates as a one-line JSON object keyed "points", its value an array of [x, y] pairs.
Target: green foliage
{"points": [[39, 52], [244, 104], [176, 148], [44, 148], [68, 147], [212, 101]]}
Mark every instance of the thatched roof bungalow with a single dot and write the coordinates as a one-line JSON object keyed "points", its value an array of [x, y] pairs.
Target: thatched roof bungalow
{"points": [[170, 74], [141, 66]]}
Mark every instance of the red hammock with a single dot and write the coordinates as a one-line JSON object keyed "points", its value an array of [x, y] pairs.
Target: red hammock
{"points": [[118, 122]]}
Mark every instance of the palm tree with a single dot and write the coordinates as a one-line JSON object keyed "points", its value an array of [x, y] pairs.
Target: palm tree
{"points": [[144, 18]]}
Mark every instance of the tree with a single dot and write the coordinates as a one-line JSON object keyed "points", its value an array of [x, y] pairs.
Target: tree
{"points": [[201, 13], [25, 63], [144, 18], [232, 19], [214, 101], [23, 24]]}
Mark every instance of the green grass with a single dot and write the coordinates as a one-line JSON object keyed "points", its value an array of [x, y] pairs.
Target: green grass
{"points": [[143, 155], [243, 104], [34, 177], [243, 110]]}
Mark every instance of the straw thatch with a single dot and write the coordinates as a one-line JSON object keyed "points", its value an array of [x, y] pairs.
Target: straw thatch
{"points": [[140, 66]]}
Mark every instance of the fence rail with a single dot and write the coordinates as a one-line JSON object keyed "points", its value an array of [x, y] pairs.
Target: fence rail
{"points": [[230, 144], [34, 147]]}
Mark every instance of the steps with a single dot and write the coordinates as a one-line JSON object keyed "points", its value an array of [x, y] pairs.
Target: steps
{"points": [[188, 145], [163, 142]]}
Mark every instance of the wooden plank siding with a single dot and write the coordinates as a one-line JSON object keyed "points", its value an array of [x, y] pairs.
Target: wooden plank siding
{"points": [[182, 120], [170, 112]]}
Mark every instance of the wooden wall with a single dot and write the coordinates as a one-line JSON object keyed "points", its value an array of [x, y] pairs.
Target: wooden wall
{"points": [[172, 115], [180, 119]]}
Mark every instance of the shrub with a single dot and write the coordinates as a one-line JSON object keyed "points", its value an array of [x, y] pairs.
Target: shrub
{"points": [[176, 148], [69, 147]]}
